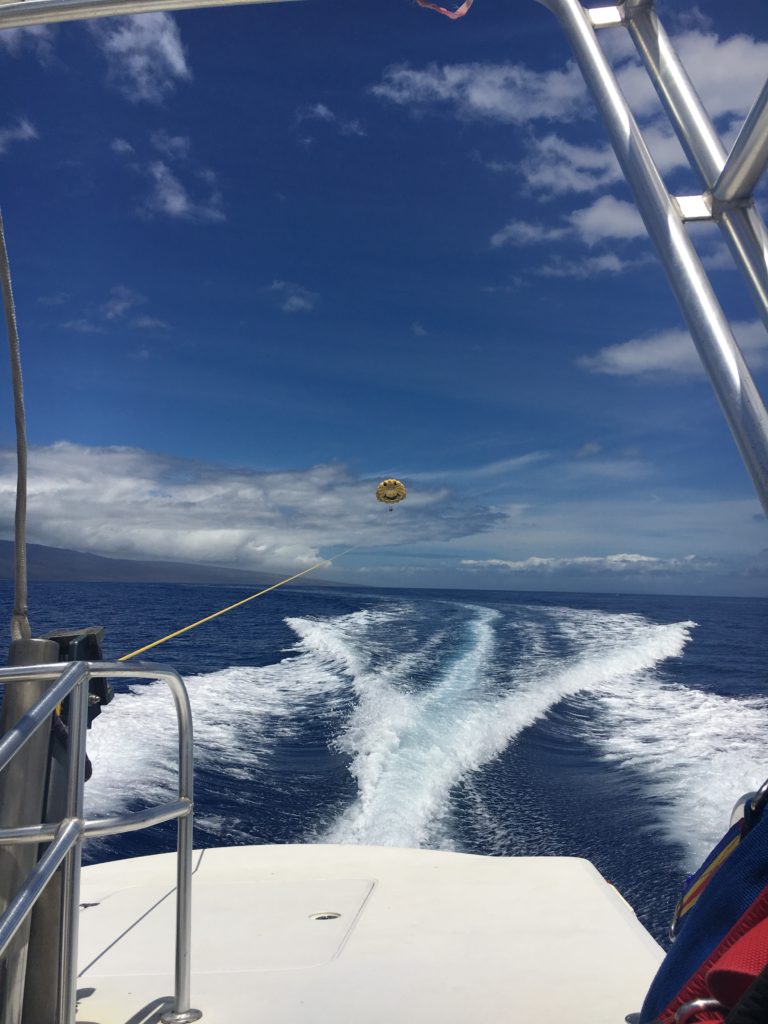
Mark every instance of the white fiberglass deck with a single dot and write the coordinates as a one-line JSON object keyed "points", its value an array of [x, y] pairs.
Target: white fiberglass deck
{"points": [[422, 936]]}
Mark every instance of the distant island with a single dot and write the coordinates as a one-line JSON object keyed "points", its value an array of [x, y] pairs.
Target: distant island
{"points": [[44, 563]]}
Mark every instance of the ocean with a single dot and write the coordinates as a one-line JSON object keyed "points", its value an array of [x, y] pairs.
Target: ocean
{"points": [[613, 727]]}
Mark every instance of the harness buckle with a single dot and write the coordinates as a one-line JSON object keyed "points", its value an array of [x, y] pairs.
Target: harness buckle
{"points": [[688, 1011]]}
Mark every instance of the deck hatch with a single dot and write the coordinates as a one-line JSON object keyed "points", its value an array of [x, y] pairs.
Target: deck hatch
{"points": [[260, 926]]}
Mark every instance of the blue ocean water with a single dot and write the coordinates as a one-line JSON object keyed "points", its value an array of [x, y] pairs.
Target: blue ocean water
{"points": [[617, 728]]}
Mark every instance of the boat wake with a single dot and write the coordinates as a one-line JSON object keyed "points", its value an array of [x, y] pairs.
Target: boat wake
{"points": [[697, 752], [402, 703], [239, 716], [409, 749]]}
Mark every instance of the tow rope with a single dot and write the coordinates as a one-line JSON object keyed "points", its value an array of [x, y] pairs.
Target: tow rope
{"points": [[230, 607]]}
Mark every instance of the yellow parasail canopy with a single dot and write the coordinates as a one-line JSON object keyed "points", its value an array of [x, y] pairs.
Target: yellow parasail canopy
{"points": [[391, 491]]}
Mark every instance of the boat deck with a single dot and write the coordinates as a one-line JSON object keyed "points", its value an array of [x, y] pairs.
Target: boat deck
{"points": [[358, 934]]}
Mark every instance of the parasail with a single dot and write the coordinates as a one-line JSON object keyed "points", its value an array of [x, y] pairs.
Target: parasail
{"points": [[390, 492]]}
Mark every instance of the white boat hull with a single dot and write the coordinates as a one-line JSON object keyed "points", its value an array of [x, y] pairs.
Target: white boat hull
{"points": [[422, 936]]}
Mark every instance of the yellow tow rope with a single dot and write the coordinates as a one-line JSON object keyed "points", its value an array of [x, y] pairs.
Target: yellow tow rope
{"points": [[237, 604]]}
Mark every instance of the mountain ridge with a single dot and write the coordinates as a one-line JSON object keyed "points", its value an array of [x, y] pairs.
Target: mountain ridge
{"points": [[66, 564]]}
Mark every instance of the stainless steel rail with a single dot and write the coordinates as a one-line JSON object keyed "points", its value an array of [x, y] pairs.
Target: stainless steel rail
{"points": [[42, 12], [738, 219], [712, 334], [749, 155], [67, 836]]}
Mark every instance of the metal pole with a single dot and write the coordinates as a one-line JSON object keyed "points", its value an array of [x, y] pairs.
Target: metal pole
{"points": [[670, 79], [747, 160], [22, 789], [43, 12], [747, 238], [19, 908], [46, 1003], [70, 886], [20, 628], [182, 1013], [711, 332], [741, 225]]}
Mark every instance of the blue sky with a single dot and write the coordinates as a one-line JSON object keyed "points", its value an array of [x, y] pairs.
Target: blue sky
{"points": [[264, 256]]}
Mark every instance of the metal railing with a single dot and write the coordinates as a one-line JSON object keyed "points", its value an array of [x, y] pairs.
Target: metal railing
{"points": [[728, 180], [66, 836], [43, 12]]}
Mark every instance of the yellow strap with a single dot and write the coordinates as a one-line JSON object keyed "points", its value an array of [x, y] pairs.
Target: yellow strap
{"points": [[229, 608]]}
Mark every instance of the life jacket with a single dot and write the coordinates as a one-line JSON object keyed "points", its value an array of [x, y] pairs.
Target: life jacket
{"points": [[717, 967]]}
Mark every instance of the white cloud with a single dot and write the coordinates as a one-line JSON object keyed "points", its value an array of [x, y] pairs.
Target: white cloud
{"points": [[161, 507], [509, 93], [22, 131], [521, 232], [619, 469], [486, 471], [588, 449], [719, 257], [184, 191], [352, 128], [36, 39], [499, 166], [624, 564], [113, 313], [170, 197], [418, 330], [617, 44], [153, 506], [672, 351], [692, 18], [608, 217], [145, 55], [54, 299], [174, 146], [294, 298], [555, 166], [665, 148], [121, 299], [149, 323], [320, 112], [727, 73], [84, 326], [589, 516], [122, 147], [591, 266]]}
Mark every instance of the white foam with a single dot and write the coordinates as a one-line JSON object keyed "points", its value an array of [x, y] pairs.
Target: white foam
{"points": [[238, 714], [410, 745], [411, 748], [698, 753]]}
